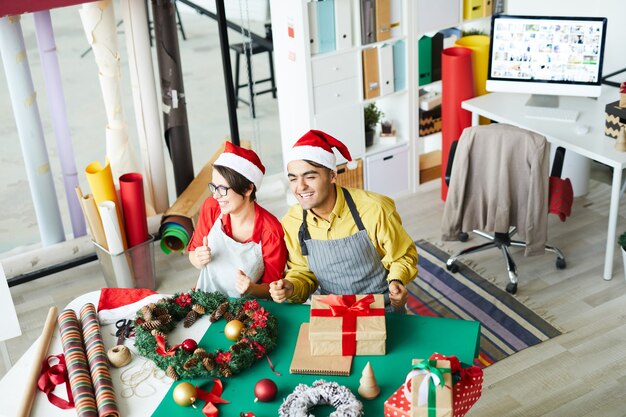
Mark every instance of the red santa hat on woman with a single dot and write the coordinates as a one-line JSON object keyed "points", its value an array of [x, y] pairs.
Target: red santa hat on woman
{"points": [[317, 146], [244, 161]]}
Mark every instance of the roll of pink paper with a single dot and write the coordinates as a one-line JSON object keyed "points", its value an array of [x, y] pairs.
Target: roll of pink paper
{"points": [[98, 365], [77, 367], [457, 84], [134, 208]]}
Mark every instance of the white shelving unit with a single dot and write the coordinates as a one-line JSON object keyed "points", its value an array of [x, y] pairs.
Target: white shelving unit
{"points": [[325, 91]]}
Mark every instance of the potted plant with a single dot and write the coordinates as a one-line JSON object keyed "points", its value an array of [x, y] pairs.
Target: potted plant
{"points": [[372, 117]]}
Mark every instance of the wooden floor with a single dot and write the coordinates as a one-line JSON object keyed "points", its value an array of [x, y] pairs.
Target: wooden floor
{"points": [[581, 373]]}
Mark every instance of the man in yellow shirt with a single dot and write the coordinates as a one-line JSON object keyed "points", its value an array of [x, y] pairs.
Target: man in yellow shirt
{"points": [[342, 240]]}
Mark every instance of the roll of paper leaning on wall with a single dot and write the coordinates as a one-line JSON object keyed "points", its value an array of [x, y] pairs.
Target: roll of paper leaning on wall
{"points": [[456, 85], [30, 130]]}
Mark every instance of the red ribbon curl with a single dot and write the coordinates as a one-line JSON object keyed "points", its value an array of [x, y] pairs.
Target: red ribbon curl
{"points": [[161, 350], [347, 307], [211, 398], [54, 375]]}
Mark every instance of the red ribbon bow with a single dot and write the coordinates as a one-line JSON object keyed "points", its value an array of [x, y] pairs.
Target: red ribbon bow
{"points": [[347, 307], [211, 398], [54, 375], [161, 350]]}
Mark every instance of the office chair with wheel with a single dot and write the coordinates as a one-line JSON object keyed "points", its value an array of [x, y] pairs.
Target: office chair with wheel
{"points": [[498, 186]]}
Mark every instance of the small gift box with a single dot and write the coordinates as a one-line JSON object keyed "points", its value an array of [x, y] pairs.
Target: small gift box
{"points": [[426, 392], [467, 384], [347, 325], [614, 119]]}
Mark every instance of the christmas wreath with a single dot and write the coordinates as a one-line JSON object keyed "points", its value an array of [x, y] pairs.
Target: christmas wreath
{"points": [[154, 321], [304, 398]]}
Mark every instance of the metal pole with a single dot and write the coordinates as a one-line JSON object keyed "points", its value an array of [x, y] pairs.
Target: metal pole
{"points": [[228, 77]]}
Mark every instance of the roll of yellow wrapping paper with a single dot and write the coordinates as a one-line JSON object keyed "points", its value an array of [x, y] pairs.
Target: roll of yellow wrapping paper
{"points": [[90, 211], [102, 187], [479, 44]]}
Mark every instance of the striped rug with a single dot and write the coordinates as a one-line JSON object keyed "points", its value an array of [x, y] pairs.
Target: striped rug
{"points": [[507, 325]]}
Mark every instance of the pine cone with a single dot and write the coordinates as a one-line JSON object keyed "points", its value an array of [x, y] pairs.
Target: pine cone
{"points": [[241, 316], [171, 372], [159, 311], [190, 318], [150, 324], [226, 371], [198, 308], [228, 316], [219, 312], [201, 353], [156, 333], [193, 361], [237, 347], [209, 363], [249, 331], [146, 312]]}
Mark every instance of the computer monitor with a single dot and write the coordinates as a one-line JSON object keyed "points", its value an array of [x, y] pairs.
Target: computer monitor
{"points": [[546, 56]]}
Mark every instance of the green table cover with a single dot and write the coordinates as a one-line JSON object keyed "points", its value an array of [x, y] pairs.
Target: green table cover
{"points": [[408, 337]]}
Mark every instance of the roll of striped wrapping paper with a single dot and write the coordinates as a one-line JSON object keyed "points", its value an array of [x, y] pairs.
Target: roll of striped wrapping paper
{"points": [[98, 364], [77, 366]]}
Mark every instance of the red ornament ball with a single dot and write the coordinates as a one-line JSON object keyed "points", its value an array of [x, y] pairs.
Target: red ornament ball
{"points": [[189, 345], [265, 390]]}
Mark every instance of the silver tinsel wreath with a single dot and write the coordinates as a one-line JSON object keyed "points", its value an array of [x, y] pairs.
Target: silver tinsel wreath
{"points": [[303, 398]]}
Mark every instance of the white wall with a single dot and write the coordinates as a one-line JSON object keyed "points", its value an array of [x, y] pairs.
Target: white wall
{"points": [[613, 10]]}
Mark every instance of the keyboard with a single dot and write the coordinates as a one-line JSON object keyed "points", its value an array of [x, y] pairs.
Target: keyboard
{"points": [[552, 113]]}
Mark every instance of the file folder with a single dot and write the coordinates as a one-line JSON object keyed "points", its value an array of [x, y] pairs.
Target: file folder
{"points": [[424, 57], [326, 25], [399, 65], [396, 18], [313, 40], [385, 69], [371, 83], [383, 20], [368, 24], [472, 9], [436, 48], [343, 24]]}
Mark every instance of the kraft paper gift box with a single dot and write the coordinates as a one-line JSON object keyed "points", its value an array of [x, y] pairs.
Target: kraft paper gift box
{"points": [[347, 325], [421, 395]]}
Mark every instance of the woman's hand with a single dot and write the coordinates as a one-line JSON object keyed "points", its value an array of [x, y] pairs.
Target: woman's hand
{"points": [[242, 282], [201, 255], [397, 294], [281, 290]]}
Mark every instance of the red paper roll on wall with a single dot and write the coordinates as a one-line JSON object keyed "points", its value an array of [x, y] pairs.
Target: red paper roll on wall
{"points": [[134, 208], [457, 84]]}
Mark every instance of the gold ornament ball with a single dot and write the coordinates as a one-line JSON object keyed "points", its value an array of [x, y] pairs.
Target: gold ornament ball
{"points": [[233, 329], [184, 394]]}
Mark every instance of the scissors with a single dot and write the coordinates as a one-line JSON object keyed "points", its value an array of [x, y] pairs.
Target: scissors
{"points": [[124, 330]]}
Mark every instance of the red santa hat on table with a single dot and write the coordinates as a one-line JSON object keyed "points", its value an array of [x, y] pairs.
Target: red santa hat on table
{"points": [[123, 303], [245, 161], [317, 146]]}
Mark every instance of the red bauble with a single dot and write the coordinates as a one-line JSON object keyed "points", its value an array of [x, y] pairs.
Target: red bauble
{"points": [[189, 345], [265, 390]]}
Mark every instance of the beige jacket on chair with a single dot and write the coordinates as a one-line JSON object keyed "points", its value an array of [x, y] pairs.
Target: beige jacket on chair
{"points": [[499, 179]]}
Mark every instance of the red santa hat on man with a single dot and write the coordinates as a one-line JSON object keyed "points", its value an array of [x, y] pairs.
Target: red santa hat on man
{"points": [[244, 161], [317, 146]]}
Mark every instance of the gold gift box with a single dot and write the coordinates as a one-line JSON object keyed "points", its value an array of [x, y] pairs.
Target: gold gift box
{"points": [[444, 394], [326, 332]]}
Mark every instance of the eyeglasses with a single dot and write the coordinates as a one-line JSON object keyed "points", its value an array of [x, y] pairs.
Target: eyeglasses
{"points": [[222, 190]]}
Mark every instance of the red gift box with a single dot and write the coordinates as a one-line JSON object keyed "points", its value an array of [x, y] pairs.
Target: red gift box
{"points": [[467, 390], [397, 405]]}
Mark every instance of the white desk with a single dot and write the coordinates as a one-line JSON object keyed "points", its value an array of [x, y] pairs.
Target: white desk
{"points": [[508, 108]]}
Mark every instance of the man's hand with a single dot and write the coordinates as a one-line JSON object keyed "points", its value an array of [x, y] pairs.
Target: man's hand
{"points": [[242, 282], [281, 290], [397, 295]]}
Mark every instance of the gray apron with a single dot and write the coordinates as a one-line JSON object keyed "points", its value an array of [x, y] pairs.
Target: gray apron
{"points": [[349, 265]]}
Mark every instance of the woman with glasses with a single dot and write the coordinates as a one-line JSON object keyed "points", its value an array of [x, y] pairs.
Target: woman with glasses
{"points": [[238, 246]]}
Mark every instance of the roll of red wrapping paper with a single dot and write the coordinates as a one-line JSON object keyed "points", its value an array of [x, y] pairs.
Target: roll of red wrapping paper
{"points": [[457, 84], [98, 365], [134, 208], [77, 366]]}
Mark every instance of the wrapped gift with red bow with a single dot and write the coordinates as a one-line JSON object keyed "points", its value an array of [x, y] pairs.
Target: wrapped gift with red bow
{"points": [[347, 325], [426, 392], [467, 384]]}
